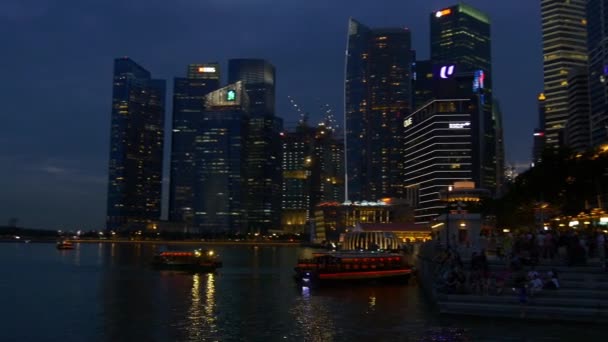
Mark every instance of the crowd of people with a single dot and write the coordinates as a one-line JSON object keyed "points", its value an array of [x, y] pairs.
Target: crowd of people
{"points": [[571, 247], [521, 253], [454, 278]]}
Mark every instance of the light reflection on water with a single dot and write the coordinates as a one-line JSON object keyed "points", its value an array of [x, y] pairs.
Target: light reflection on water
{"points": [[202, 317], [372, 303], [313, 317], [109, 292]]}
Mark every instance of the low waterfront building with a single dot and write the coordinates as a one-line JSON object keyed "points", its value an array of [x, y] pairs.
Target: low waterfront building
{"points": [[333, 218], [461, 221]]}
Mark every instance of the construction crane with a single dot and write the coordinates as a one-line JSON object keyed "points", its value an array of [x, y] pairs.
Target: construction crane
{"points": [[303, 115], [328, 117]]}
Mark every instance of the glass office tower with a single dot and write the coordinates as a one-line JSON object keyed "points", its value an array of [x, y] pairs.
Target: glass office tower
{"points": [[597, 44], [444, 142], [136, 148], [218, 189], [460, 35], [564, 34], [263, 173], [188, 108], [378, 95]]}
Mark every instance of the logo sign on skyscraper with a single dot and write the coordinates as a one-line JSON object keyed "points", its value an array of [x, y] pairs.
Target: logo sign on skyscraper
{"points": [[408, 122], [446, 71], [478, 80], [442, 13], [231, 95], [206, 69]]}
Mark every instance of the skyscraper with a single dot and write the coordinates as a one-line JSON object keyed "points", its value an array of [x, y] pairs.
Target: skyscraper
{"points": [[188, 108], [298, 162], [423, 83], [444, 142], [597, 44], [218, 189], [263, 174], [577, 133], [136, 147], [564, 48], [258, 75], [378, 95], [500, 146], [312, 173], [460, 35], [328, 167], [539, 133]]}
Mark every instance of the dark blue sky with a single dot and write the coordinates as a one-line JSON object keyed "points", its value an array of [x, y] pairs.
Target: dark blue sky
{"points": [[57, 68]]}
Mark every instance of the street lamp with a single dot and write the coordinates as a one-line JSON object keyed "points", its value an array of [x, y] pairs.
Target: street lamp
{"points": [[447, 218]]}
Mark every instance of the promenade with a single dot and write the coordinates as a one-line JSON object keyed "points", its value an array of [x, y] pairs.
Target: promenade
{"points": [[582, 295]]}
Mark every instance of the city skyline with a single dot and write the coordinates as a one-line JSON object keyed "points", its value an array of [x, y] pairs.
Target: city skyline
{"points": [[57, 175]]}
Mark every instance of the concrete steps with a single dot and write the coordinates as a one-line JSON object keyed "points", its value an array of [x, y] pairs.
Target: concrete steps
{"points": [[589, 315], [542, 299], [582, 297]]}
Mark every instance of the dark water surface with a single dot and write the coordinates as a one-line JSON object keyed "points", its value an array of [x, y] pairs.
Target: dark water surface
{"points": [[107, 292]]}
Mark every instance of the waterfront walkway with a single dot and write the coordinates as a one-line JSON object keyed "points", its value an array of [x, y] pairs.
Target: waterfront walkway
{"points": [[582, 296]]}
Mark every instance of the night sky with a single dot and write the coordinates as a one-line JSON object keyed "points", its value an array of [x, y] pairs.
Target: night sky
{"points": [[57, 57]]}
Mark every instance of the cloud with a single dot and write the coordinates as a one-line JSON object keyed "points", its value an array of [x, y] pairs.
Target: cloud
{"points": [[55, 170]]}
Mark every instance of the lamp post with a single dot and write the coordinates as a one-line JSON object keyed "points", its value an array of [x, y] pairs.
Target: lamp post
{"points": [[447, 218]]}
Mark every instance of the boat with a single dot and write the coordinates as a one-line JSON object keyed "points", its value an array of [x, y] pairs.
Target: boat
{"points": [[351, 266], [64, 244], [198, 260]]}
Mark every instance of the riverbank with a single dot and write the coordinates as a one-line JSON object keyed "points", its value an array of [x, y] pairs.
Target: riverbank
{"points": [[189, 242]]}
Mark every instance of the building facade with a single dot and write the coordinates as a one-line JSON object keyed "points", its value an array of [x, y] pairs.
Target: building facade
{"points": [[262, 172], [460, 36], [597, 44], [378, 95], [188, 111], [218, 190], [423, 81], [312, 173], [328, 166], [136, 148], [298, 155], [500, 146], [444, 143], [564, 35], [577, 135], [538, 144]]}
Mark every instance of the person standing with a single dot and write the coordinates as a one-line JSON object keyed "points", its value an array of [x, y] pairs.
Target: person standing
{"points": [[601, 248]]}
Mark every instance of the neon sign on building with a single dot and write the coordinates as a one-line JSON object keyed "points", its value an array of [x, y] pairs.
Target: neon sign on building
{"points": [[478, 81], [460, 125], [446, 71], [408, 122], [444, 12], [231, 95], [206, 69]]}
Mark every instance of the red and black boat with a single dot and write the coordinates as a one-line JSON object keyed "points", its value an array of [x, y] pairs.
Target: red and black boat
{"points": [[197, 260], [64, 244], [353, 266]]}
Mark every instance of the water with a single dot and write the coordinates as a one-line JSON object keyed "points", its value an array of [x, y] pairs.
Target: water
{"points": [[107, 292]]}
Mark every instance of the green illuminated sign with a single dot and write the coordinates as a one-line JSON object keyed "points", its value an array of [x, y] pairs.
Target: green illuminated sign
{"points": [[231, 95]]}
